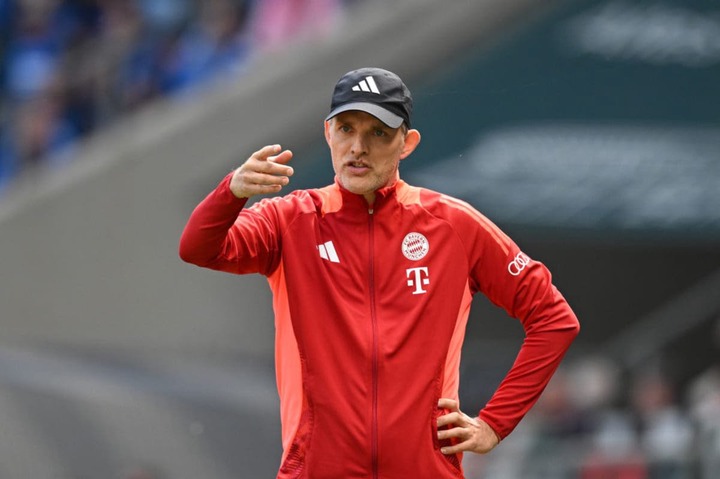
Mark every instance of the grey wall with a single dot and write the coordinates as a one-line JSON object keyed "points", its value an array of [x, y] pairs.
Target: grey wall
{"points": [[88, 254]]}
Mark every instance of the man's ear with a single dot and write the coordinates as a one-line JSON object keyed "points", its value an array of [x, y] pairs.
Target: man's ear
{"points": [[412, 140], [327, 131]]}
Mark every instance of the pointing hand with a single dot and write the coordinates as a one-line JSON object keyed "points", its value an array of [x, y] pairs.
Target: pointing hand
{"points": [[264, 172]]}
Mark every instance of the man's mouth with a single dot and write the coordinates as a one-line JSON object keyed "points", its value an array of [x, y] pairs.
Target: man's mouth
{"points": [[357, 166]]}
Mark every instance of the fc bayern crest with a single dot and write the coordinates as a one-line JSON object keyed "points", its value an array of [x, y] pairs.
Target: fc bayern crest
{"points": [[415, 246]]}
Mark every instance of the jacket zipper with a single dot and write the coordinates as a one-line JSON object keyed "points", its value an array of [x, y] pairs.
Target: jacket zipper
{"points": [[373, 317]]}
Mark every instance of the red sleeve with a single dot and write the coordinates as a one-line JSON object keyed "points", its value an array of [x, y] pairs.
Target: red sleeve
{"points": [[523, 287], [224, 236]]}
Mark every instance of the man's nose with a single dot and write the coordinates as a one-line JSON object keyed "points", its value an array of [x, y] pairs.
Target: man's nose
{"points": [[359, 145]]}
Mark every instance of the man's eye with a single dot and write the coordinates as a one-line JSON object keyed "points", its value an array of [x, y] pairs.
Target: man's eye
{"points": [[379, 132], [344, 128]]}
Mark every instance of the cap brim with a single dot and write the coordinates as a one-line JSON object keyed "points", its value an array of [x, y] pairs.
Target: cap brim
{"points": [[389, 118]]}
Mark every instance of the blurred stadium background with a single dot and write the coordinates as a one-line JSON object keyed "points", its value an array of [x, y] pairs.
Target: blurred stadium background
{"points": [[588, 129]]}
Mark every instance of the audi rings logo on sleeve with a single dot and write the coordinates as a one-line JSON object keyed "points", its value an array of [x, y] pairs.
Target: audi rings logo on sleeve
{"points": [[518, 264], [415, 246]]}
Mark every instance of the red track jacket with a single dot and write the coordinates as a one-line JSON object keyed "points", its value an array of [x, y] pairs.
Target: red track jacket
{"points": [[370, 310]]}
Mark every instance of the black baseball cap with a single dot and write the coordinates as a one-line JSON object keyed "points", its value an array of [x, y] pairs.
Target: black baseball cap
{"points": [[376, 91]]}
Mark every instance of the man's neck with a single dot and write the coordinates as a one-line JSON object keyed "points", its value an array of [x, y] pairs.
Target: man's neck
{"points": [[370, 198]]}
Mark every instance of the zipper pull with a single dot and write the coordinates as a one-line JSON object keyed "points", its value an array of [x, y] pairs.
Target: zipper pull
{"points": [[370, 211]]}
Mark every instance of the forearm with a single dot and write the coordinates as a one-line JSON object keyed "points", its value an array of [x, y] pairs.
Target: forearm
{"points": [[548, 337], [206, 233]]}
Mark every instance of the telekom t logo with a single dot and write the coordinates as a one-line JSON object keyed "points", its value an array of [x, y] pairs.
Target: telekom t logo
{"points": [[417, 278]]}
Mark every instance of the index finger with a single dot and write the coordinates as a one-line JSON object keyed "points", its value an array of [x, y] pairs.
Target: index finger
{"points": [[449, 404], [281, 158]]}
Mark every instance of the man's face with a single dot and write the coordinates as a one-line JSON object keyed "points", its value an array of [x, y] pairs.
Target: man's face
{"points": [[366, 152]]}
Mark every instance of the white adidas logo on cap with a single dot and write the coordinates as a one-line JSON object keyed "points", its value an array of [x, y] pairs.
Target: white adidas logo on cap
{"points": [[368, 85]]}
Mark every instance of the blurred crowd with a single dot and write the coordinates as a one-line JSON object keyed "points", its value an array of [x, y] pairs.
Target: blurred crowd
{"points": [[598, 420], [69, 67]]}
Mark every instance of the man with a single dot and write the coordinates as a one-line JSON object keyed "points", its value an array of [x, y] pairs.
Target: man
{"points": [[372, 282]]}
